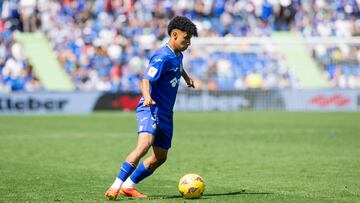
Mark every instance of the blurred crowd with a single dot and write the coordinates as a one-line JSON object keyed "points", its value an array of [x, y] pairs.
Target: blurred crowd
{"points": [[105, 44], [16, 73], [234, 70], [341, 64]]}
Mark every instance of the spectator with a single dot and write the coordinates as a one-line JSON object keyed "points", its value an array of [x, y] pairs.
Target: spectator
{"points": [[27, 11], [104, 44]]}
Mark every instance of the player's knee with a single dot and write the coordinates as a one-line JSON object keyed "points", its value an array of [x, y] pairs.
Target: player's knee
{"points": [[143, 148], [160, 160], [156, 163]]}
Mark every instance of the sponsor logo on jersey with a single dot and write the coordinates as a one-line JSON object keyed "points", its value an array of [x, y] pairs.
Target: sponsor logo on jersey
{"points": [[175, 69]]}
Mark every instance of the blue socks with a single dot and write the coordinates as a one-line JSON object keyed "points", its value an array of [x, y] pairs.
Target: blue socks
{"points": [[125, 171], [140, 173]]}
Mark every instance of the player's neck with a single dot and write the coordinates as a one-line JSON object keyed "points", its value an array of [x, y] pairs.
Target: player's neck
{"points": [[172, 47]]}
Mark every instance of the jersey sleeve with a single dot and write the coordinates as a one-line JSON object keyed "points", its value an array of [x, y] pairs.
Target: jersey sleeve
{"points": [[155, 68]]}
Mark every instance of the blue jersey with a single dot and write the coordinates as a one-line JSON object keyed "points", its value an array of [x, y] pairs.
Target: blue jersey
{"points": [[164, 73]]}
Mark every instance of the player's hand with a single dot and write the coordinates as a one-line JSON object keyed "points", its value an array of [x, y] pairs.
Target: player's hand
{"points": [[148, 102], [190, 83]]}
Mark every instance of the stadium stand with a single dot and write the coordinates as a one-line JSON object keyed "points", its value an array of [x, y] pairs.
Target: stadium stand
{"points": [[16, 72], [105, 44], [340, 64]]}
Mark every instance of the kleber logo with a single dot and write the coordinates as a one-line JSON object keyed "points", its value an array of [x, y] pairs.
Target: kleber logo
{"points": [[325, 101], [32, 104]]}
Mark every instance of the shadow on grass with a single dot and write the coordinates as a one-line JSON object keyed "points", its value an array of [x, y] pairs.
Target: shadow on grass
{"points": [[206, 195], [237, 193]]}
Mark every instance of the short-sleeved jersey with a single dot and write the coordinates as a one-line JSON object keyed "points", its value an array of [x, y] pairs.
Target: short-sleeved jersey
{"points": [[164, 73]]}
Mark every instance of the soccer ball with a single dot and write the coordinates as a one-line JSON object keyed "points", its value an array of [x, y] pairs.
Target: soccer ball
{"points": [[191, 186]]}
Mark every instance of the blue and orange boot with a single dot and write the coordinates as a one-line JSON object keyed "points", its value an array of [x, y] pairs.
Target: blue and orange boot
{"points": [[132, 192], [112, 193]]}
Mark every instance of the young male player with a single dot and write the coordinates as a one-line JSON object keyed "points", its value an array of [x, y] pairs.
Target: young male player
{"points": [[155, 110]]}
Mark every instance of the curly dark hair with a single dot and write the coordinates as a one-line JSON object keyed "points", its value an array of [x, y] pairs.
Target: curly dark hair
{"points": [[184, 24]]}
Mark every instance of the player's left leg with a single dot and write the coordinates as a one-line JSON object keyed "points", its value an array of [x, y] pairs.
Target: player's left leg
{"points": [[146, 132], [145, 169], [157, 158]]}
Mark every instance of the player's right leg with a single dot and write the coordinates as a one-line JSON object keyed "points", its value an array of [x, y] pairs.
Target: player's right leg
{"points": [[144, 143]]}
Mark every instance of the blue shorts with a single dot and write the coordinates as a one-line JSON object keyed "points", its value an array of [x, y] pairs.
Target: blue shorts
{"points": [[161, 126]]}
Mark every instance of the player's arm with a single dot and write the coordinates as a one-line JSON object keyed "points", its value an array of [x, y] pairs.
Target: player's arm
{"points": [[189, 81], [145, 90]]}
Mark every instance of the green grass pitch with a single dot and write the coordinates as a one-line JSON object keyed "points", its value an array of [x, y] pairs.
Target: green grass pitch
{"points": [[243, 157]]}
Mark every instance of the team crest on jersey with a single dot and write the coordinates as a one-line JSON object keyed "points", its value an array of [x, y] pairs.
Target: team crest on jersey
{"points": [[152, 71], [174, 81]]}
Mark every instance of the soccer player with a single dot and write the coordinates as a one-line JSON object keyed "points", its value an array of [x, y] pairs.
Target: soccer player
{"points": [[154, 112]]}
